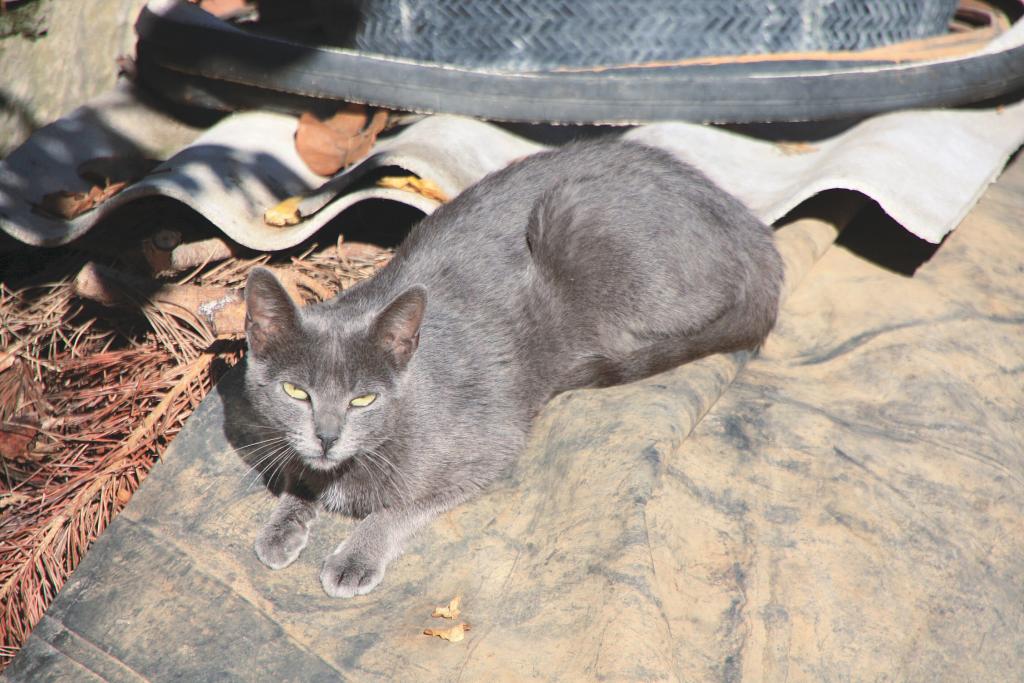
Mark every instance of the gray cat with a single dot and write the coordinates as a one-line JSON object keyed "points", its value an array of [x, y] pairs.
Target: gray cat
{"points": [[590, 265]]}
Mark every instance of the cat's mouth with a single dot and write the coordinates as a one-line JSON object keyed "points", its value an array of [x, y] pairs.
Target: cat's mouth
{"points": [[322, 463]]}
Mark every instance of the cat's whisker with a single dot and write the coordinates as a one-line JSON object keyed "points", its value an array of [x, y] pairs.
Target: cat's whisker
{"points": [[259, 453], [280, 463], [256, 456], [266, 453], [397, 471], [255, 452], [279, 438], [372, 459], [245, 450], [388, 469], [255, 425], [270, 462], [254, 443], [374, 481], [387, 483], [271, 450], [373, 487]]}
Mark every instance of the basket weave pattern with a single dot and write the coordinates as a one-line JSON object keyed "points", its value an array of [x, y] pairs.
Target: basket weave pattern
{"points": [[538, 34]]}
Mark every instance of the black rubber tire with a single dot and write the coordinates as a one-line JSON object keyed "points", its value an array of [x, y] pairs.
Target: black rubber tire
{"points": [[189, 56], [539, 34]]}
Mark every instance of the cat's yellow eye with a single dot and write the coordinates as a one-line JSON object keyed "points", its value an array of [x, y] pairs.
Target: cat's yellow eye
{"points": [[363, 401], [294, 391]]}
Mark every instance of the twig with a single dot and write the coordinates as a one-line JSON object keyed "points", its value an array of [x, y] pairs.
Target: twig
{"points": [[192, 372]]}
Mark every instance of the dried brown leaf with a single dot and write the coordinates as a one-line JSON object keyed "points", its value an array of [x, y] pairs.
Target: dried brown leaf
{"points": [[329, 145], [68, 205], [452, 635], [451, 610], [222, 8]]}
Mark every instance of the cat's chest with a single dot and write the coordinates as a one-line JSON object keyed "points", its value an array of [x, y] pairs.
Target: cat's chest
{"points": [[335, 498], [359, 491]]}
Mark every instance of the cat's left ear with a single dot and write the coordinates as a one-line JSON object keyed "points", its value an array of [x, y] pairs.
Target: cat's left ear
{"points": [[397, 328]]}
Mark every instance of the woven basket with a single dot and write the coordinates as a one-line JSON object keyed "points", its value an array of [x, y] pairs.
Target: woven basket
{"points": [[543, 34]]}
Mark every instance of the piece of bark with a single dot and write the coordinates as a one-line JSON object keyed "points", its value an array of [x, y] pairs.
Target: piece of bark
{"points": [[165, 256], [359, 251], [16, 439], [222, 309]]}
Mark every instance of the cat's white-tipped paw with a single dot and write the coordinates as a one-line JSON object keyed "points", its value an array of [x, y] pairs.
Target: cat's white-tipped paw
{"points": [[279, 546], [347, 574]]}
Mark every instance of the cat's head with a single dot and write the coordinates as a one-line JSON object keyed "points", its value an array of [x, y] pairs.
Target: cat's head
{"points": [[327, 377]]}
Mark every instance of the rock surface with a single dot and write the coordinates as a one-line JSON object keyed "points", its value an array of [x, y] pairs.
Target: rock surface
{"points": [[44, 77]]}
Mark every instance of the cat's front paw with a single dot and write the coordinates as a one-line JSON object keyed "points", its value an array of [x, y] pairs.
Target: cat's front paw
{"points": [[278, 545], [350, 573]]}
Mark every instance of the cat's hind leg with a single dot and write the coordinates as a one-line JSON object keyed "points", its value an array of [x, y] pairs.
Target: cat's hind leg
{"points": [[286, 534]]}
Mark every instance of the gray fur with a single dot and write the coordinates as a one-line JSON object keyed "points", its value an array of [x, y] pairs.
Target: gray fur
{"points": [[594, 264]]}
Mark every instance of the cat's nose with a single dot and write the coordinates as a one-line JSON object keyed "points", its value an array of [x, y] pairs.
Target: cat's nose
{"points": [[327, 440]]}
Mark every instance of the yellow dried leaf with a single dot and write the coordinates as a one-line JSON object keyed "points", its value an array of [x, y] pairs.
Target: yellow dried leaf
{"points": [[452, 611], [411, 183], [452, 635], [285, 213]]}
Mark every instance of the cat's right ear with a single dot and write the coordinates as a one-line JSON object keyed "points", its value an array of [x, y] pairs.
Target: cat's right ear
{"points": [[397, 329], [270, 314]]}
